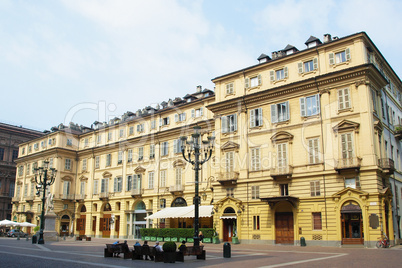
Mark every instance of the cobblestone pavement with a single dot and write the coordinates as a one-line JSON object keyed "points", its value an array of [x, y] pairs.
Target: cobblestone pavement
{"points": [[70, 253]]}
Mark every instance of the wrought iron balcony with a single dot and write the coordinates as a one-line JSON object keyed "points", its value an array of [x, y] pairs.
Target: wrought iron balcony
{"points": [[67, 196], [352, 163], [387, 165], [104, 195], [176, 189], [227, 178], [137, 192], [284, 172]]}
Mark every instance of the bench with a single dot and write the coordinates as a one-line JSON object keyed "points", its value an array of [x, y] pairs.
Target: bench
{"points": [[114, 250], [191, 250], [140, 251]]}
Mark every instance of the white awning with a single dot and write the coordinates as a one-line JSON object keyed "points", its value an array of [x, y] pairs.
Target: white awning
{"points": [[181, 212], [228, 217]]}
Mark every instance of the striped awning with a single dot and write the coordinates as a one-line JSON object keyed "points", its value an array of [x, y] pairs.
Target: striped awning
{"points": [[181, 212]]}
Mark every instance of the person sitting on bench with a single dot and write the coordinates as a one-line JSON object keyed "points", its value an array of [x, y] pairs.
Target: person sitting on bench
{"points": [[145, 245], [183, 247]]}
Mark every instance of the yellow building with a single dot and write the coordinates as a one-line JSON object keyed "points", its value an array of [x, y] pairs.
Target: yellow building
{"points": [[307, 145]]}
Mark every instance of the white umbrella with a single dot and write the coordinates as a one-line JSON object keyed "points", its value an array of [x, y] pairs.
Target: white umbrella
{"points": [[27, 224], [8, 223]]}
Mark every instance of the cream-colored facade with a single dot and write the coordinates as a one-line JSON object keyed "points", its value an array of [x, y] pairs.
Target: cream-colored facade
{"points": [[307, 145]]}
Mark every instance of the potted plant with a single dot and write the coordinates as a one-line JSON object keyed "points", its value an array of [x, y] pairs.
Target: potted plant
{"points": [[235, 239], [169, 252]]}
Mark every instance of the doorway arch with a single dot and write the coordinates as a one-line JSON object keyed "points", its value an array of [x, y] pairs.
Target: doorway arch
{"points": [[352, 223], [64, 225], [229, 220]]}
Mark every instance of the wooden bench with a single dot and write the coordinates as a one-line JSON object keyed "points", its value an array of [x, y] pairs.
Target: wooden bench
{"points": [[114, 250], [140, 251], [191, 250]]}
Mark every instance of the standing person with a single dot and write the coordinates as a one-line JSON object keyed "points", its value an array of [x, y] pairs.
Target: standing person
{"points": [[158, 247], [145, 245], [201, 237]]}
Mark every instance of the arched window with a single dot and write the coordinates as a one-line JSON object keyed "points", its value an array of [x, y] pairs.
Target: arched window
{"points": [[179, 202], [83, 209], [140, 206], [229, 210]]}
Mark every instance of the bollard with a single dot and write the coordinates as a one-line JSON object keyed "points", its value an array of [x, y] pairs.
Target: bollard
{"points": [[27, 237], [302, 241], [226, 250], [64, 237], [18, 237], [34, 237]]}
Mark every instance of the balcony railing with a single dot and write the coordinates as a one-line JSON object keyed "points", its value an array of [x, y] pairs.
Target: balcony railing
{"points": [[29, 198], [15, 199], [137, 192], [176, 189], [282, 172], [104, 195], [228, 177], [67, 196], [80, 197], [348, 163], [387, 165]]}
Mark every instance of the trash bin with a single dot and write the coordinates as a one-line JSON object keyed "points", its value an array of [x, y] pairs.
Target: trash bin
{"points": [[226, 250], [34, 239], [302, 241]]}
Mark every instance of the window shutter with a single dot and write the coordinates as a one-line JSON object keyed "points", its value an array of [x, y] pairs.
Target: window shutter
{"points": [[192, 113], [247, 82], [347, 54], [285, 72], [346, 98], [176, 117], [340, 99], [303, 107], [201, 111], [259, 117], [317, 98], [287, 110], [168, 120], [300, 67], [224, 121], [310, 151], [331, 59], [272, 76], [235, 122], [315, 63], [175, 146], [274, 113], [184, 116], [259, 79], [115, 185], [160, 122], [252, 118]]}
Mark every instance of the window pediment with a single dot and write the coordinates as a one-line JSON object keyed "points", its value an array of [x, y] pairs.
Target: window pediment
{"points": [[139, 169], [83, 178], [346, 125], [230, 146], [179, 163], [107, 174], [66, 178], [282, 136]]}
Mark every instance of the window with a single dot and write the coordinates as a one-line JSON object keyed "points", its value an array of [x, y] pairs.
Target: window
{"points": [[178, 177], [253, 81], [32, 189], [99, 139], [17, 194], [67, 164], [256, 222], [229, 123], [34, 165], [229, 162], [136, 182], [28, 169], [97, 161], [108, 160], [352, 183], [313, 151], [310, 105], [256, 117], [383, 109], [26, 190], [152, 151], [82, 188], [130, 155], [164, 121], [129, 183], [229, 88], [131, 130], [121, 133], [86, 142], [42, 144], [11, 190], [110, 136], [343, 99], [151, 176], [255, 192], [20, 170], [36, 146], [23, 152], [162, 203], [2, 154], [140, 153], [119, 157], [84, 164], [105, 185], [374, 100], [165, 148], [177, 146], [339, 57], [307, 66], [96, 182], [163, 178], [280, 112], [30, 147], [284, 189], [66, 188], [69, 142], [140, 128], [197, 112], [347, 146], [315, 188], [51, 162], [282, 156], [180, 117], [317, 222], [230, 192], [278, 75], [65, 206], [153, 124], [255, 159], [118, 184]]}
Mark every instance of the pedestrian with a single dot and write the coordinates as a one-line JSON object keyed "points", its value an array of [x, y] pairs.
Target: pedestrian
{"points": [[201, 237]]}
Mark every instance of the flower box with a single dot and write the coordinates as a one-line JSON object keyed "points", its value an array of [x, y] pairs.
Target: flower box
{"points": [[167, 239], [173, 239], [207, 240], [160, 239], [153, 238], [147, 238]]}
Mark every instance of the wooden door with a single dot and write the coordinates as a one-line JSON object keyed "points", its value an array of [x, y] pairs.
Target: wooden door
{"points": [[284, 228], [228, 225], [117, 225], [352, 228], [94, 224], [81, 225], [104, 225]]}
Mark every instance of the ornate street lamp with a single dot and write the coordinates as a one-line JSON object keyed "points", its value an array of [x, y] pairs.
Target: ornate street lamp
{"points": [[43, 179], [194, 149]]}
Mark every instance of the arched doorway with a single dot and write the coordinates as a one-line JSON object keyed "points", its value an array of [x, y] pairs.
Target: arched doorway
{"points": [[104, 224], [180, 222], [81, 221], [64, 225], [352, 224], [229, 219]]}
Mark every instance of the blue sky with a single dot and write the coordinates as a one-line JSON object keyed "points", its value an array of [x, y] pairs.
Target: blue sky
{"points": [[82, 61]]}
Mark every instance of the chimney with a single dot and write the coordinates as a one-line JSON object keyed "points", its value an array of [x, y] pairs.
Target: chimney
{"points": [[199, 88], [327, 38]]}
